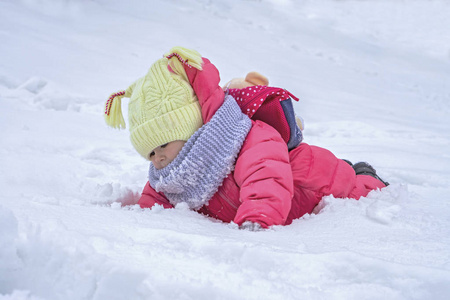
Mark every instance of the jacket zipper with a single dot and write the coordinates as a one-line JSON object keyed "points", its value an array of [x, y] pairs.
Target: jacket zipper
{"points": [[228, 200]]}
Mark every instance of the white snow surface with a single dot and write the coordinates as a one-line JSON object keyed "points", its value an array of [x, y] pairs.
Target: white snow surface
{"points": [[373, 78]]}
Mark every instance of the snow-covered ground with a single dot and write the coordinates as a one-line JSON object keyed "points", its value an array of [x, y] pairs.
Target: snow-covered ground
{"points": [[374, 82]]}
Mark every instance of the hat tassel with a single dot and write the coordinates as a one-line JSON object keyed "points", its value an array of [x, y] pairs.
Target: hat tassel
{"points": [[113, 111]]}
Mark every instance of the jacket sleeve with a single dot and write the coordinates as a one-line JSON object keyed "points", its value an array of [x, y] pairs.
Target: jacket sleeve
{"points": [[264, 175], [206, 86], [150, 197], [319, 170]]}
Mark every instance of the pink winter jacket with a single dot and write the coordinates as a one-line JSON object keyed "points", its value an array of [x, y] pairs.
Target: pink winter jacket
{"points": [[269, 185]]}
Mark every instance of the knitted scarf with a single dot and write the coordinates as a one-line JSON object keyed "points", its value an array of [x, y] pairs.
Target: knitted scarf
{"points": [[195, 175]]}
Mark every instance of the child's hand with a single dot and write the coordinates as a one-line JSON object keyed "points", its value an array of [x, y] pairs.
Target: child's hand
{"points": [[251, 226]]}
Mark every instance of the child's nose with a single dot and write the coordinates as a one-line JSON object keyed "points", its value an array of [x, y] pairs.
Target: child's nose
{"points": [[159, 160], [160, 157]]}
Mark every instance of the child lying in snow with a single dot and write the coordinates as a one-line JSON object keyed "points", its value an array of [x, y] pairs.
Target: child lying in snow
{"points": [[206, 153]]}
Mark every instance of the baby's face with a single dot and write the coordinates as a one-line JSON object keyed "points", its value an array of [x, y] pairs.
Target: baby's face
{"points": [[163, 155]]}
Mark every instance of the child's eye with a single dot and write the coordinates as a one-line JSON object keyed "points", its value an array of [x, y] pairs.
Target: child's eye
{"points": [[164, 146], [151, 154]]}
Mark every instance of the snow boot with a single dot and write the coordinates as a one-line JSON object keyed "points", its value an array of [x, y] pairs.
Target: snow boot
{"points": [[363, 168]]}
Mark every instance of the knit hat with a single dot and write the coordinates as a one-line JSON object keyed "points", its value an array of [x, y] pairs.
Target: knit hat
{"points": [[163, 106]]}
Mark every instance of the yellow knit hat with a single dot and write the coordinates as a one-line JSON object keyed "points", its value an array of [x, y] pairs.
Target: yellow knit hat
{"points": [[163, 106]]}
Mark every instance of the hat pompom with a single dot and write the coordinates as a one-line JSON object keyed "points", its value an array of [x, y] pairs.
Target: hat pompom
{"points": [[179, 57], [113, 108], [113, 111], [190, 56]]}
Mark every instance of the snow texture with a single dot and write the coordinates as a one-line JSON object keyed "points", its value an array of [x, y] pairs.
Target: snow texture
{"points": [[373, 78]]}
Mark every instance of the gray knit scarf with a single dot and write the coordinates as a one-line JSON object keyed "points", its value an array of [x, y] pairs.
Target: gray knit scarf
{"points": [[195, 175]]}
